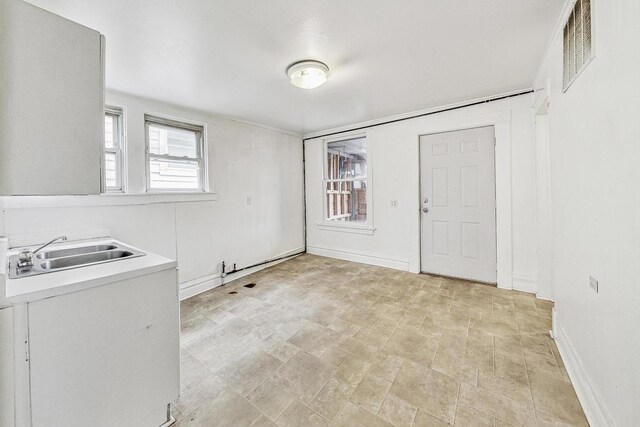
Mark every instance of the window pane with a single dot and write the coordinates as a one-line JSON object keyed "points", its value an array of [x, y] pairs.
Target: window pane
{"points": [[108, 131], [111, 170], [347, 159], [173, 174], [347, 201], [173, 141]]}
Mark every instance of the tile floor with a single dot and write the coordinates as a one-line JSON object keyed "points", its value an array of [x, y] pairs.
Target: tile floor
{"points": [[321, 342]]}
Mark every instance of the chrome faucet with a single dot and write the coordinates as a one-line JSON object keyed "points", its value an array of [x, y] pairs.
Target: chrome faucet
{"points": [[25, 257]]}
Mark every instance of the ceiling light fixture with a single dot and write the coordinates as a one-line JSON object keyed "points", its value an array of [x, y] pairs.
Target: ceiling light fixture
{"points": [[307, 74]]}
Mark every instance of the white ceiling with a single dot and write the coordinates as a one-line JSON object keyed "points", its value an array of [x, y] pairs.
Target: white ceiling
{"points": [[386, 57]]}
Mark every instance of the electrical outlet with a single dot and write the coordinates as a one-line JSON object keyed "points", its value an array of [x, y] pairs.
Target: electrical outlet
{"points": [[593, 283], [394, 203], [248, 200]]}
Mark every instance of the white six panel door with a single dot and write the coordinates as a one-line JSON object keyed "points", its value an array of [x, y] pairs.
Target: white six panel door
{"points": [[458, 204]]}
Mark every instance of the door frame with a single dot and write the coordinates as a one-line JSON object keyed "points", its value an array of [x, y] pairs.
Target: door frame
{"points": [[422, 194], [501, 122]]}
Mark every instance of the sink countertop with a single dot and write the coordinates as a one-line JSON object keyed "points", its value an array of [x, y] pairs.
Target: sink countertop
{"points": [[33, 288]]}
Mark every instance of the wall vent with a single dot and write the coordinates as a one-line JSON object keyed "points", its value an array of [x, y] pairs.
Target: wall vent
{"points": [[577, 48]]}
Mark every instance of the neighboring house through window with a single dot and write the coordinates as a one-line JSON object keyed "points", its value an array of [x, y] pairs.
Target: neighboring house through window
{"points": [[175, 155], [347, 192]]}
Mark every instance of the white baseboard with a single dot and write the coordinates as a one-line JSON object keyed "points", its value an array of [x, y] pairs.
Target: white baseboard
{"points": [[360, 257], [593, 406], [524, 282], [197, 286]]}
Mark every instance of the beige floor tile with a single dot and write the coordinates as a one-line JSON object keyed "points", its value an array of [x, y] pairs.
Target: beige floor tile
{"points": [[542, 363], [263, 421], [332, 398], [285, 351], [514, 390], [357, 347], [374, 336], [340, 330], [556, 397], [270, 399], [303, 376], [448, 320], [500, 323], [334, 355], [247, 372], [397, 411], [386, 367], [371, 392], [530, 324], [192, 372], [468, 416], [299, 415], [412, 346], [314, 339], [424, 419], [497, 405], [352, 415], [427, 389], [352, 370], [199, 393], [361, 316], [228, 409], [546, 420]]}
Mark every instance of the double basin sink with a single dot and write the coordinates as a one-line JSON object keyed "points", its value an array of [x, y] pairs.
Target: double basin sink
{"points": [[50, 261]]}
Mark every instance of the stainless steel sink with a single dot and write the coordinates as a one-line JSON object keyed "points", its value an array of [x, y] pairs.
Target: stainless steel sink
{"points": [[74, 251], [92, 258], [68, 258]]}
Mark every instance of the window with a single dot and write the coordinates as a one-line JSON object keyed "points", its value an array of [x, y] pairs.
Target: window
{"points": [[113, 149], [577, 47], [175, 160], [345, 181]]}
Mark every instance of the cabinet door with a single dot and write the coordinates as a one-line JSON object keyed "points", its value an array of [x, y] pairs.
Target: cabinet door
{"points": [[52, 103], [6, 368], [106, 356]]}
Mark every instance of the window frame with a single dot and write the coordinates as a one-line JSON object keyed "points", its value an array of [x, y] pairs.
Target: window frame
{"points": [[201, 152], [119, 149], [348, 226]]}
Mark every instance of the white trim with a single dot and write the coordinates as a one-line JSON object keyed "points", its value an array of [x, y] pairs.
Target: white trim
{"points": [[345, 227], [106, 199], [197, 286], [544, 218], [361, 257], [594, 408], [410, 115], [525, 282]]}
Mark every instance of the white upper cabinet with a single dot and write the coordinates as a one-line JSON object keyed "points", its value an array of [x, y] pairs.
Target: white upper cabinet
{"points": [[51, 103]]}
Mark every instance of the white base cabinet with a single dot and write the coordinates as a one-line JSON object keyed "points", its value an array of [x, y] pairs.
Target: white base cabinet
{"points": [[106, 356]]}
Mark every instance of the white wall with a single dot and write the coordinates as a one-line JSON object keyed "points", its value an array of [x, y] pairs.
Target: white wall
{"points": [[594, 131], [394, 164], [244, 161]]}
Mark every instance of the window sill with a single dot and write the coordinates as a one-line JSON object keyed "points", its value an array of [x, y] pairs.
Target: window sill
{"points": [[106, 199], [347, 228]]}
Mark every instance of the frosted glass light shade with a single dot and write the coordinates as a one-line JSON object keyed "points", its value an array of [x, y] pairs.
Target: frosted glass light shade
{"points": [[308, 74]]}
